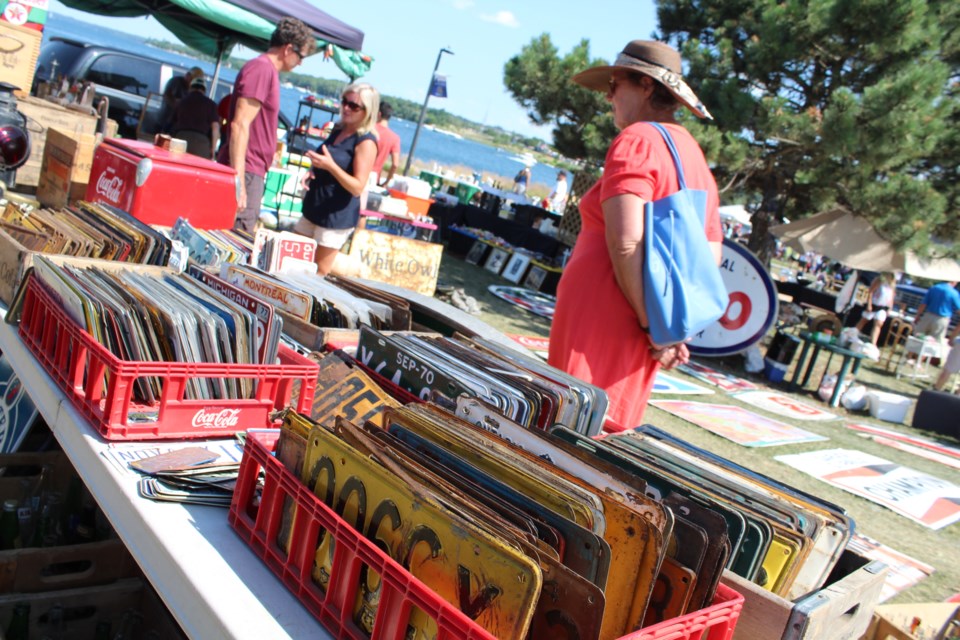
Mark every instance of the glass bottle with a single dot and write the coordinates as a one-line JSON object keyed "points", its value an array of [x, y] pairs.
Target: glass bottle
{"points": [[19, 627], [86, 530], [54, 622], [25, 511], [10, 526], [48, 533], [70, 517]]}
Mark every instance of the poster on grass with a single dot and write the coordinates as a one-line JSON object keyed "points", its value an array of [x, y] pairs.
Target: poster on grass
{"points": [[902, 571], [929, 449], [923, 498], [783, 405], [669, 385], [716, 378], [737, 424]]}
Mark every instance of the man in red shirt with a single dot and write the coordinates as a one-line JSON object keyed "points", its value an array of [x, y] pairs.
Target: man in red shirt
{"points": [[388, 145], [251, 139]]}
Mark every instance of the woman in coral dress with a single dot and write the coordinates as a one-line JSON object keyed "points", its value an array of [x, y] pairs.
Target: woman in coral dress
{"points": [[598, 332]]}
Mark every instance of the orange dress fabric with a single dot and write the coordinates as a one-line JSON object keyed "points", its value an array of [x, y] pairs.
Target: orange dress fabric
{"points": [[595, 334]]}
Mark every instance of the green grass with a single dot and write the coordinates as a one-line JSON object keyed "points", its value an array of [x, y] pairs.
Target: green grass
{"points": [[940, 549]]}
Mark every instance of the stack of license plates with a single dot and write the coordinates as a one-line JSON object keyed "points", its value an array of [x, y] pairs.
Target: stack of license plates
{"points": [[495, 495]]}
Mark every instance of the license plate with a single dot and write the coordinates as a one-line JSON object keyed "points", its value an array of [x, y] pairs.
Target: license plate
{"points": [[492, 583]]}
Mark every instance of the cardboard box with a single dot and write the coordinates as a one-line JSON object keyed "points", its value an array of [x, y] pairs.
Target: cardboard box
{"points": [[18, 56], [411, 264], [67, 158], [914, 621], [840, 610], [43, 115]]}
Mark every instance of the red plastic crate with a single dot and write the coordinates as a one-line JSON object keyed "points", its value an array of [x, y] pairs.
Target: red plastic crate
{"points": [[716, 622], [258, 523], [101, 385], [257, 518]]}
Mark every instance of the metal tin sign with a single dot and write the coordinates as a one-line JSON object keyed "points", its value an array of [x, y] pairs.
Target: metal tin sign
{"points": [[752, 309]]}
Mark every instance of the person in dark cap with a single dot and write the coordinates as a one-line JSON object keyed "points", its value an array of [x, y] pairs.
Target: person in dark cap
{"points": [[174, 91], [196, 120], [599, 331]]}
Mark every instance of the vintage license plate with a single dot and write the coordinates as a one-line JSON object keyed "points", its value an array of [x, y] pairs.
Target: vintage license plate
{"points": [[636, 544], [403, 367], [569, 605], [582, 550], [671, 593], [346, 391], [490, 581], [294, 302]]}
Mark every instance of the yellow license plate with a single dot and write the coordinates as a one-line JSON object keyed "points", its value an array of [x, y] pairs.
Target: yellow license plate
{"points": [[493, 583]]}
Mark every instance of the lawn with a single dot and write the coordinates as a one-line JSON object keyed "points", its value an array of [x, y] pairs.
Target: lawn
{"points": [[940, 549]]}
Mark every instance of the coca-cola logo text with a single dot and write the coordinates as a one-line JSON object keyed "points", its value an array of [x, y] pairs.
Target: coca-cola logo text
{"points": [[109, 186], [218, 419]]}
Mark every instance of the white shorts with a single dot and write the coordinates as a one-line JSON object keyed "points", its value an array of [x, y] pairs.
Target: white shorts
{"points": [[879, 316], [329, 238]]}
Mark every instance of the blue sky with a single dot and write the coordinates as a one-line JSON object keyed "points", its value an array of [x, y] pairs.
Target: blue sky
{"points": [[404, 39]]}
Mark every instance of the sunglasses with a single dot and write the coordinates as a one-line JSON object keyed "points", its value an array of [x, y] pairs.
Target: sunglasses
{"points": [[299, 55], [353, 106]]}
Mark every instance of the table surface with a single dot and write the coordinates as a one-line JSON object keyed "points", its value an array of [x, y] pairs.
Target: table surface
{"points": [[213, 584]]}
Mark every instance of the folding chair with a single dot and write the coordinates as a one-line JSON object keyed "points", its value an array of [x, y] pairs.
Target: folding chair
{"points": [[897, 334]]}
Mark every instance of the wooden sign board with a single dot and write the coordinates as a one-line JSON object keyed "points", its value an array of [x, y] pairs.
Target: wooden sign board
{"points": [[411, 264]]}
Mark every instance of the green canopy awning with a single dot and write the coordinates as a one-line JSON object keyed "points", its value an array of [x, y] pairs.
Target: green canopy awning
{"points": [[214, 27]]}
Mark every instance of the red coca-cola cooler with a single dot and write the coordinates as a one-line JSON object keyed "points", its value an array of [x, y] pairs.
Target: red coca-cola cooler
{"points": [[157, 186]]}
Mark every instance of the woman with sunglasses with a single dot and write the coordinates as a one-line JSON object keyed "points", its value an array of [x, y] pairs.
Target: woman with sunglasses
{"points": [[599, 331], [341, 166]]}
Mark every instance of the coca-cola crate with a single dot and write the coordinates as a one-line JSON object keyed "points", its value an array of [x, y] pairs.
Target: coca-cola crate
{"points": [[100, 385], [256, 514]]}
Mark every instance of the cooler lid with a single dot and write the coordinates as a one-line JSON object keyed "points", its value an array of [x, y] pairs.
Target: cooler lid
{"points": [[145, 149]]}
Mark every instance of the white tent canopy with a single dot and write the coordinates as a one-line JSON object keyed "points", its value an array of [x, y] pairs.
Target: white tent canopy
{"points": [[735, 212], [852, 240]]}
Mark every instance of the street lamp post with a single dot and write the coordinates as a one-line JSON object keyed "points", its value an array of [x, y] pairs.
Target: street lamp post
{"points": [[423, 111]]}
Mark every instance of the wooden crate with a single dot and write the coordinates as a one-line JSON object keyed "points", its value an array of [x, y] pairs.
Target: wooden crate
{"points": [[840, 610], [18, 56], [65, 170], [16, 467], [84, 607], [41, 116], [37, 569]]}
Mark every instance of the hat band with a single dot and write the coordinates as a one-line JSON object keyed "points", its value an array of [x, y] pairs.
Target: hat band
{"points": [[626, 59]]}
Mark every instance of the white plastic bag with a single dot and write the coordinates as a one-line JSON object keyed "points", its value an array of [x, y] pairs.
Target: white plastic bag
{"points": [[753, 359], [827, 386], [869, 351], [849, 336], [855, 398]]}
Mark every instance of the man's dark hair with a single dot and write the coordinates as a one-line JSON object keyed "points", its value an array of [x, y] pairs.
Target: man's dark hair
{"points": [[292, 31], [386, 110]]}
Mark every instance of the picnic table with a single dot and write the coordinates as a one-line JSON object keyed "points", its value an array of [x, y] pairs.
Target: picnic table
{"points": [[850, 363]]}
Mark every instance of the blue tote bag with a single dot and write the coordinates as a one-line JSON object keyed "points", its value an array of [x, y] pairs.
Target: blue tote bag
{"points": [[683, 290]]}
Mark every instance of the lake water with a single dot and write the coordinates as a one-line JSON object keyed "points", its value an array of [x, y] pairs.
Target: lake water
{"points": [[433, 147]]}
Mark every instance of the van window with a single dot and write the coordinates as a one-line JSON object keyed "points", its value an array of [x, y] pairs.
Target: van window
{"points": [[125, 74]]}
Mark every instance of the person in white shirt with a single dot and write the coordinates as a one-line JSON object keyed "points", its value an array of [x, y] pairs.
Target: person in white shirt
{"points": [[558, 199]]}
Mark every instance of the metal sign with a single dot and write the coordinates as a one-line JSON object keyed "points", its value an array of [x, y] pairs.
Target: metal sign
{"points": [[752, 309]]}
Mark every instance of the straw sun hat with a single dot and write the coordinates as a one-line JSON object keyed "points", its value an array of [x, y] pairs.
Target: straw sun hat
{"points": [[658, 60]]}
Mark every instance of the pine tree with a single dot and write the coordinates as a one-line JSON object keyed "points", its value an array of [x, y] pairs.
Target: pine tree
{"points": [[829, 102]]}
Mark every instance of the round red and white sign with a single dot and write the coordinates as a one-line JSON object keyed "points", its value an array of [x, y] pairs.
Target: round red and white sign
{"points": [[752, 309]]}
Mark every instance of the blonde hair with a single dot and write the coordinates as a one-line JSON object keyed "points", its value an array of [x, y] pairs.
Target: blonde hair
{"points": [[370, 98]]}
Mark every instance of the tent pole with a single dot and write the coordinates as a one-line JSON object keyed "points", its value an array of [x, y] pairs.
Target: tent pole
{"points": [[216, 70]]}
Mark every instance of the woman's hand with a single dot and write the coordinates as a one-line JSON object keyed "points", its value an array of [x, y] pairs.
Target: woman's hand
{"points": [[670, 356], [322, 160]]}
